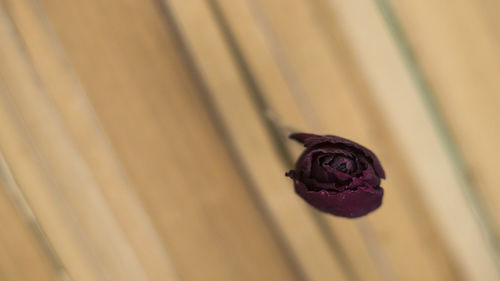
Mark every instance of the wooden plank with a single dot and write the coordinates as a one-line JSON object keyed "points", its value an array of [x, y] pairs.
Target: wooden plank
{"points": [[164, 137], [462, 67], [39, 130], [252, 141], [487, 11], [402, 107], [21, 161], [69, 97], [109, 126], [287, 65], [404, 205], [20, 248], [283, 95]]}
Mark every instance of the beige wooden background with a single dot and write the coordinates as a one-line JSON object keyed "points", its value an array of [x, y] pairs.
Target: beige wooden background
{"points": [[146, 139]]}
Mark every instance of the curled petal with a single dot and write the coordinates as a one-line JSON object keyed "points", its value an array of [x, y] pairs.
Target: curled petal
{"points": [[315, 185], [369, 176], [304, 165], [340, 176], [337, 176], [311, 140], [349, 203], [309, 164], [301, 137], [320, 173], [291, 174]]}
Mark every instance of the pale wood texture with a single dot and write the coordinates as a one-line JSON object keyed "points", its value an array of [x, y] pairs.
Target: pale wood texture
{"points": [[147, 140], [20, 245]]}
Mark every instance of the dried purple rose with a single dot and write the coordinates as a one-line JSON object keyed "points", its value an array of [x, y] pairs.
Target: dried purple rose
{"points": [[337, 176]]}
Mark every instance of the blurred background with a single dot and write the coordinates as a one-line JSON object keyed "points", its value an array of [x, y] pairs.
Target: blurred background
{"points": [[146, 140]]}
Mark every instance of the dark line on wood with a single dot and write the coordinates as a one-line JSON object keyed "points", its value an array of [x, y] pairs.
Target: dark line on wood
{"points": [[277, 137], [254, 89], [17, 195], [277, 233], [457, 158]]}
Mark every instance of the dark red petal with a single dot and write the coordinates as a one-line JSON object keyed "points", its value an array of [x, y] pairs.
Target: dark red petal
{"points": [[367, 152], [304, 165], [319, 172], [369, 176], [291, 174], [340, 176], [314, 140], [349, 203], [315, 185], [301, 137]]}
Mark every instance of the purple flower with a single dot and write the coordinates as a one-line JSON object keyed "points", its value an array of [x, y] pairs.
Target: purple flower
{"points": [[337, 176]]}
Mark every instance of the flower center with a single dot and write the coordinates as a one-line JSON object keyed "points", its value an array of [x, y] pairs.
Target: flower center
{"points": [[342, 164]]}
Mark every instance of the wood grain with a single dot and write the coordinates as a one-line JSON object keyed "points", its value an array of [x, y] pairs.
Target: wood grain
{"points": [[246, 129], [468, 72], [441, 184], [147, 140], [284, 81], [203, 240], [20, 247]]}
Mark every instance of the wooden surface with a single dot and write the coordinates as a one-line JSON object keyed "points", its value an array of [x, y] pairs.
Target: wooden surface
{"points": [[146, 140]]}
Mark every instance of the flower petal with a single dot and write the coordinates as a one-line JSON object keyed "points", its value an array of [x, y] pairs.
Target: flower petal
{"points": [[349, 203], [311, 140], [301, 137]]}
